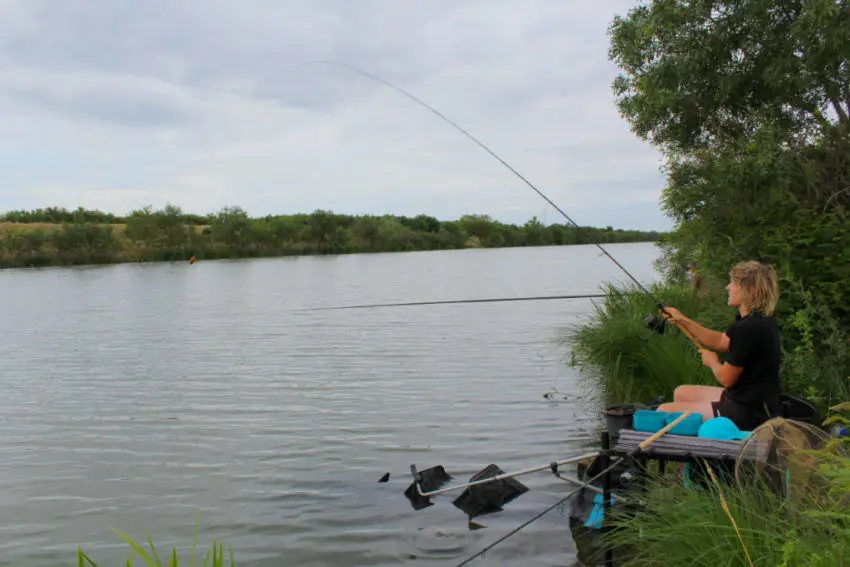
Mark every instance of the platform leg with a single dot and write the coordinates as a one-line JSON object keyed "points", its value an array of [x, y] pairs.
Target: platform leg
{"points": [[605, 462]]}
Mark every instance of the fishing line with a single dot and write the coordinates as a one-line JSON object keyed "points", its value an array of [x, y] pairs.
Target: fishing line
{"points": [[492, 153], [456, 301], [611, 466], [539, 515]]}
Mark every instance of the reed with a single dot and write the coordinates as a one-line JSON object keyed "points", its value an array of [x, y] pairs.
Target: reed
{"points": [[622, 360], [213, 558]]}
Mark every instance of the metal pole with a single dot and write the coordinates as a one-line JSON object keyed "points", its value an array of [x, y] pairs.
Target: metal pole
{"points": [[580, 483], [497, 477], [606, 495]]}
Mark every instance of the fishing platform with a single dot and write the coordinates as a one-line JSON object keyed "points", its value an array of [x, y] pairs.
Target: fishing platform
{"points": [[707, 450], [635, 440]]}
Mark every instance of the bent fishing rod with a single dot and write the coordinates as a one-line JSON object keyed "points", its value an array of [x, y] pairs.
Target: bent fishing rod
{"points": [[504, 163]]}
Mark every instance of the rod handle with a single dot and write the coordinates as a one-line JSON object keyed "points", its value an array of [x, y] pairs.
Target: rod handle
{"points": [[681, 328]]}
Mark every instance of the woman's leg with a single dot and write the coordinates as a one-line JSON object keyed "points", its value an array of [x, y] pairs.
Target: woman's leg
{"points": [[693, 393], [694, 398], [703, 408]]}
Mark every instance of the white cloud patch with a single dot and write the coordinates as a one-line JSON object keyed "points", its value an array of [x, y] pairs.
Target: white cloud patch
{"points": [[115, 105]]}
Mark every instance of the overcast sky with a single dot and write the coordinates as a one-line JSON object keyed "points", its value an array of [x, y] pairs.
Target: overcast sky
{"points": [[117, 104]]}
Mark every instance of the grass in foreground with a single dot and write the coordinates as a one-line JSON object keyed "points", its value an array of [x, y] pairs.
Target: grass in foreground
{"points": [[727, 524], [213, 558]]}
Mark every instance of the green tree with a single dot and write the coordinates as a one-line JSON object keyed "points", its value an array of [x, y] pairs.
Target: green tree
{"points": [[536, 233], [393, 235], [366, 230], [748, 100], [478, 225], [82, 243], [232, 227], [705, 73], [163, 231], [327, 230]]}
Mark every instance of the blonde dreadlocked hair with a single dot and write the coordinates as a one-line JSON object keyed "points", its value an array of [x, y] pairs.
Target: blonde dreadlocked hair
{"points": [[759, 286]]}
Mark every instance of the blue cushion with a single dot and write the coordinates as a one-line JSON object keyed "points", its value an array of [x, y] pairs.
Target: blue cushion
{"points": [[689, 426], [649, 421]]}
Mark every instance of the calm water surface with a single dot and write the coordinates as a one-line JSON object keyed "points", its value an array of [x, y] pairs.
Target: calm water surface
{"points": [[136, 396]]}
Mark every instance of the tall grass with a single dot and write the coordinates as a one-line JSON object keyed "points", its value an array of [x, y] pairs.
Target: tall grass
{"points": [[213, 558], [625, 361], [680, 526]]}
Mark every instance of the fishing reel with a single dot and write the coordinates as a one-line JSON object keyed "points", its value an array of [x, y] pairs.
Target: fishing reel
{"points": [[655, 323]]}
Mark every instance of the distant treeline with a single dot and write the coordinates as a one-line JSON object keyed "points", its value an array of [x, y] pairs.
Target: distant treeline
{"points": [[57, 236], [57, 215]]}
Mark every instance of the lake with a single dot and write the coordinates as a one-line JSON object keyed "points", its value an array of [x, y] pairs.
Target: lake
{"points": [[137, 396]]}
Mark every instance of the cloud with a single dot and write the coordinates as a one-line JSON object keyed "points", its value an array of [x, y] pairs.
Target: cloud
{"points": [[113, 99], [116, 105]]}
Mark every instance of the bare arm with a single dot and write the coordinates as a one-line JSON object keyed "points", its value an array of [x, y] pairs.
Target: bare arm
{"points": [[725, 373], [714, 340]]}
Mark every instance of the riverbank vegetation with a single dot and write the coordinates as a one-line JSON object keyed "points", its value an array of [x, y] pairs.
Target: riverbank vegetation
{"points": [[758, 174], [60, 237], [726, 523], [749, 103]]}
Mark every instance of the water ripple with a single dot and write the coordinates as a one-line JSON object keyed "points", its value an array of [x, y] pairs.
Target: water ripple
{"points": [[138, 396]]}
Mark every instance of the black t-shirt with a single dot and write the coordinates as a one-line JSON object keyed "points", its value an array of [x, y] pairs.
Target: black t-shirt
{"points": [[754, 345]]}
